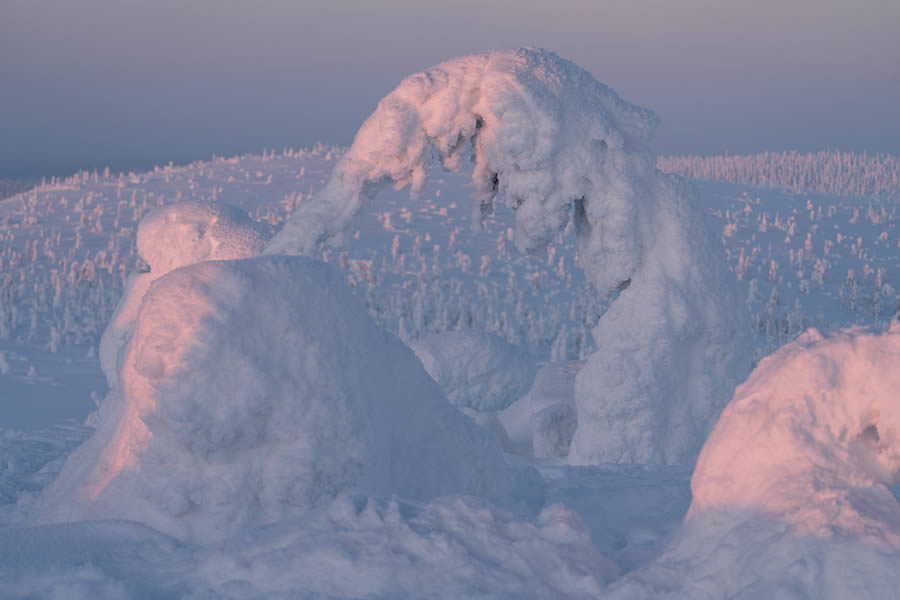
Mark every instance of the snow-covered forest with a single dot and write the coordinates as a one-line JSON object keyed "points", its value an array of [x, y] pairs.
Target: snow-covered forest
{"points": [[540, 366], [839, 173]]}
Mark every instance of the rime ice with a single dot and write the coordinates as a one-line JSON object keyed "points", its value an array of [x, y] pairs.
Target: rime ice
{"points": [[549, 139]]}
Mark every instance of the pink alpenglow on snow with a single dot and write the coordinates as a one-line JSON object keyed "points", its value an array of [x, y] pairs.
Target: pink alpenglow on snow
{"points": [[255, 390], [550, 140], [791, 492], [174, 236], [813, 438]]}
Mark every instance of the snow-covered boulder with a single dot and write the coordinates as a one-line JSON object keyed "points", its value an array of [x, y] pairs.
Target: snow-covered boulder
{"points": [[475, 369], [792, 491], [551, 140], [257, 389], [172, 236]]}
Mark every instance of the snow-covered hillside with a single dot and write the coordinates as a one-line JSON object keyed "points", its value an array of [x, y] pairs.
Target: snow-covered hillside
{"points": [[259, 430]]}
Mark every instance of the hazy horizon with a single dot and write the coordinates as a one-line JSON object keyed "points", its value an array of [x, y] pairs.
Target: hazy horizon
{"points": [[127, 85]]}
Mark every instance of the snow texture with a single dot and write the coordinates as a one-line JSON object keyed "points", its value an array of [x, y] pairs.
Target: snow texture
{"points": [[549, 139], [257, 389], [356, 547], [792, 491], [476, 370], [174, 236]]}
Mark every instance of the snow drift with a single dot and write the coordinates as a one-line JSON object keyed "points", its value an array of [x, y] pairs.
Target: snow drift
{"points": [[257, 389], [476, 370], [356, 547], [791, 493], [550, 140], [173, 236]]}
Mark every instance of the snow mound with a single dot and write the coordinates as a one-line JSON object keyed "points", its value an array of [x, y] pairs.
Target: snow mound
{"points": [[792, 491], [174, 236], [813, 437], [257, 389], [551, 140], [475, 369]]}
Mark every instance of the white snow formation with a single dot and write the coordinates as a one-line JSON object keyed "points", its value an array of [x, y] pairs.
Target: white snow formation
{"points": [[254, 390], [554, 418], [551, 140], [173, 236], [792, 490], [475, 369]]}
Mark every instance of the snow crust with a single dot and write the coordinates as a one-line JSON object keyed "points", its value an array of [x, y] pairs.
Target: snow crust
{"points": [[174, 236], [257, 389], [549, 139], [792, 491], [476, 370]]}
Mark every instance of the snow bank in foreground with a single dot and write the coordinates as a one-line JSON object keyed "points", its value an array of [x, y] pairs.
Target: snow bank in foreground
{"points": [[791, 493], [549, 139], [476, 370], [254, 390], [356, 547], [174, 236]]}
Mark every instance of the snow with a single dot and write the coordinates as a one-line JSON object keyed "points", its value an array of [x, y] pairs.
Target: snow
{"points": [[549, 139], [476, 370], [792, 491], [254, 390], [782, 504], [553, 414], [174, 236]]}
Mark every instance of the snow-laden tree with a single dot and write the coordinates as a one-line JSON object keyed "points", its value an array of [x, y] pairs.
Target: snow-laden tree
{"points": [[549, 140], [169, 237]]}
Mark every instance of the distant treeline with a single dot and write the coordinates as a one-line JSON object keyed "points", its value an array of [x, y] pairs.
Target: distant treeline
{"points": [[842, 173]]}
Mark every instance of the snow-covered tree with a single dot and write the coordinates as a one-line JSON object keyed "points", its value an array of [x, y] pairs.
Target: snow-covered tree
{"points": [[549, 139]]}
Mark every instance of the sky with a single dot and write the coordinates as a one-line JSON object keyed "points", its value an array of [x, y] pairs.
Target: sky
{"points": [[129, 84]]}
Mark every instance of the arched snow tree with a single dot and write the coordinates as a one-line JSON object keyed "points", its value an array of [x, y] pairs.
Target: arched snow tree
{"points": [[549, 140]]}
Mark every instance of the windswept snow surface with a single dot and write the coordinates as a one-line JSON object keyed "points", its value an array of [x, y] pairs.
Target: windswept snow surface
{"points": [[254, 390], [548, 138]]}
